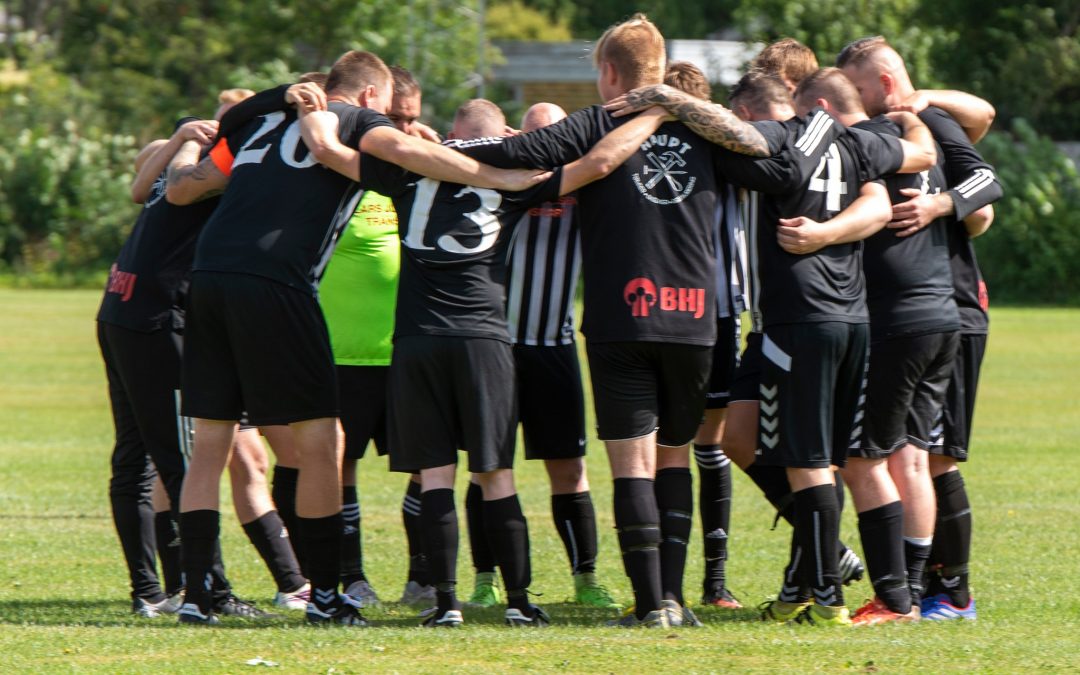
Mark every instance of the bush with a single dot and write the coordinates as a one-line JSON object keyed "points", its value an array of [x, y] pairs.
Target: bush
{"points": [[1032, 252]]}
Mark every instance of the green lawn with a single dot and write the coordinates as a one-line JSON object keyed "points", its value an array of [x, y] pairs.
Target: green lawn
{"points": [[63, 594]]}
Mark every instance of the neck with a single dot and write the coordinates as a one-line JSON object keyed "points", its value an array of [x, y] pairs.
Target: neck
{"points": [[848, 119], [343, 98]]}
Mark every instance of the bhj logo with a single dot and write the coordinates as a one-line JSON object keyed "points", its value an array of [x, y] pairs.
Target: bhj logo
{"points": [[642, 294], [664, 179]]}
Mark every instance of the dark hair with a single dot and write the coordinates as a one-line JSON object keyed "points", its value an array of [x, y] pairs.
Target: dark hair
{"points": [[857, 52], [832, 85], [404, 82], [758, 90]]}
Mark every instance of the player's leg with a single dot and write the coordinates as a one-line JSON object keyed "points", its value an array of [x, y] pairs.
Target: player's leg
{"points": [[803, 363], [948, 593], [551, 408], [262, 524], [877, 501], [283, 488], [362, 397], [418, 589], [714, 468], [439, 520], [674, 490], [627, 413], [485, 583], [167, 539], [130, 486]]}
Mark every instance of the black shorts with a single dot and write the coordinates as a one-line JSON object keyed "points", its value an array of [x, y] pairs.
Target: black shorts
{"points": [[362, 396], [255, 345], [812, 379], [642, 387], [451, 393], [747, 378], [905, 389], [551, 403], [724, 361], [953, 433]]}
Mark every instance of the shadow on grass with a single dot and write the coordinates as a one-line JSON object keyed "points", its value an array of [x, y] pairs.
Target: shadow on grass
{"points": [[114, 613]]}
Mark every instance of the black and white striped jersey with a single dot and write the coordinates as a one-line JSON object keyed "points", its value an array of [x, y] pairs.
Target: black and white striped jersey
{"points": [[545, 263]]}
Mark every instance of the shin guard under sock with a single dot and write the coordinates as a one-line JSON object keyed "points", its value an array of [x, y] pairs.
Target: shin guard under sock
{"points": [[508, 536], [882, 532], [675, 502], [817, 529], [575, 520], [638, 523], [714, 504], [321, 539], [439, 521], [352, 554], [410, 517], [198, 537], [265, 534], [951, 552], [482, 555], [283, 493]]}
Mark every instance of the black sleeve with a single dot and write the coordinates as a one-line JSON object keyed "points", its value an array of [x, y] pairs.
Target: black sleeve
{"points": [[383, 177], [268, 101], [775, 134], [354, 122], [547, 148], [879, 154], [548, 191], [770, 175], [803, 141], [973, 183]]}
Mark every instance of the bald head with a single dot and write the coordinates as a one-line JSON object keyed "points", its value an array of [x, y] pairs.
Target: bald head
{"points": [[877, 71], [478, 118], [541, 115]]}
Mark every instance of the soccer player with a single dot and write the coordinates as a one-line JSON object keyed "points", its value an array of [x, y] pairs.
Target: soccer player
{"points": [[545, 261], [257, 265], [787, 59], [649, 266], [367, 261], [813, 312], [883, 82], [453, 362], [714, 467]]}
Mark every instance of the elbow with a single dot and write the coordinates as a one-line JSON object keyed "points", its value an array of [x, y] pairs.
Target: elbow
{"points": [[139, 195], [979, 221], [177, 196]]}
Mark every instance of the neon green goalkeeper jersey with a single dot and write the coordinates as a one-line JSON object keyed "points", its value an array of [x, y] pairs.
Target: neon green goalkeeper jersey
{"points": [[359, 288]]}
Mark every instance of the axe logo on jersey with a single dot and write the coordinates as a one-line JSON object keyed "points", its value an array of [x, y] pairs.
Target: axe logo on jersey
{"points": [[642, 294], [157, 191], [664, 179]]}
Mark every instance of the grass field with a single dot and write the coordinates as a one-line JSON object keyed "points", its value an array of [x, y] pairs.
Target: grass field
{"points": [[63, 592]]}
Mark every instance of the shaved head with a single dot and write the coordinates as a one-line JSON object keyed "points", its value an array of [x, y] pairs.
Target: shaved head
{"points": [[877, 71], [541, 115]]}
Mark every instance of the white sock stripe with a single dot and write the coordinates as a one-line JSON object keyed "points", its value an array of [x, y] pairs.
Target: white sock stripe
{"points": [[920, 541], [817, 548]]}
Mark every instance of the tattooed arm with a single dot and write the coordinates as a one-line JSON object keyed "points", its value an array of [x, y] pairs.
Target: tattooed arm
{"points": [[711, 121], [191, 180]]}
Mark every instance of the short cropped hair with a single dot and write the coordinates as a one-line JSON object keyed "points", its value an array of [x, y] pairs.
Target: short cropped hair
{"points": [[832, 85], [404, 82], [355, 70], [688, 78], [635, 48], [234, 96], [858, 52], [787, 58], [758, 91], [315, 76], [482, 116]]}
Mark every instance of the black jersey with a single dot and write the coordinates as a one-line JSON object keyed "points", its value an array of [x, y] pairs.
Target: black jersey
{"points": [[909, 286], [819, 174], [973, 184], [545, 261], [454, 249], [281, 214], [151, 272], [647, 236]]}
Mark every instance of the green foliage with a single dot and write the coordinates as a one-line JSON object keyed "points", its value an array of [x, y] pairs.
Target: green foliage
{"points": [[1032, 251], [513, 20]]}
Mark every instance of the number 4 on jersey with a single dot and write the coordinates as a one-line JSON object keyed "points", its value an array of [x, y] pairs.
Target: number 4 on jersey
{"points": [[828, 179]]}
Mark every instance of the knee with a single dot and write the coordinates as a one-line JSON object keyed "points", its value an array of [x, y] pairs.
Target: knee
{"points": [[567, 476]]}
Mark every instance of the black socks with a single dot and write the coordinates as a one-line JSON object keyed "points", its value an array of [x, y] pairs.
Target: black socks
{"points": [[675, 502], [410, 517], [714, 497], [482, 555], [637, 520], [575, 520], [438, 517], [199, 534], [817, 530], [283, 493], [951, 551], [352, 555], [168, 550], [882, 532], [508, 537], [321, 541], [268, 535]]}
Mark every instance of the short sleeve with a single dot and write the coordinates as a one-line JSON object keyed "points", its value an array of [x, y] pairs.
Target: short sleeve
{"points": [[354, 122], [879, 154], [546, 148], [383, 177], [262, 103], [775, 133]]}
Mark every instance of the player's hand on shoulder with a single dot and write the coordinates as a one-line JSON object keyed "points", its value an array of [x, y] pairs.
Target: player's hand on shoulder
{"points": [[801, 235], [200, 131], [915, 103], [641, 98], [306, 96]]}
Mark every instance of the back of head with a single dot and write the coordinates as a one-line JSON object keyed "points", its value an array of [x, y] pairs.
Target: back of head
{"points": [[831, 85], [478, 118], [314, 76], [788, 59], [635, 48], [861, 52], [540, 115], [877, 70], [230, 97], [763, 95], [356, 70], [687, 77], [405, 84]]}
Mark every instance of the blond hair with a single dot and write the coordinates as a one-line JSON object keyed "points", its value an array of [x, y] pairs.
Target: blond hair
{"points": [[635, 48], [688, 78], [787, 58], [234, 96]]}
